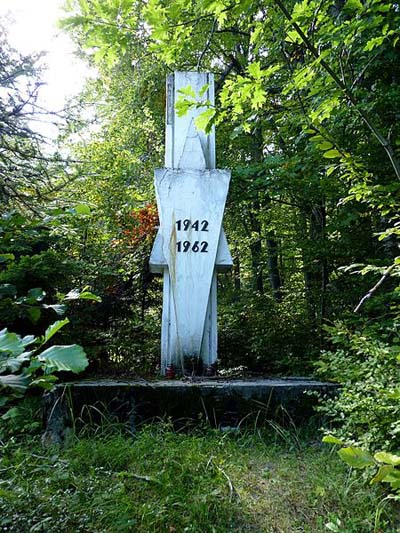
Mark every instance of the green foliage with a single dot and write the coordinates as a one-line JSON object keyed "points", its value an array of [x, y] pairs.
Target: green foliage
{"points": [[382, 467], [260, 335], [161, 480], [366, 364], [36, 366]]}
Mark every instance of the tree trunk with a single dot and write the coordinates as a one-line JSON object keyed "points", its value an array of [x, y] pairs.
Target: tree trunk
{"points": [[273, 266]]}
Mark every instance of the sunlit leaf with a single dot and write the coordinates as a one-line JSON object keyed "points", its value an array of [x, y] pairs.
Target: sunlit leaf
{"points": [[355, 457], [52, 330], [69, 358]]}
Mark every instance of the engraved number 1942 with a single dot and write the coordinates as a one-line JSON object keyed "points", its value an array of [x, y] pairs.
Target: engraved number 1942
{"points": [[195, 225]]}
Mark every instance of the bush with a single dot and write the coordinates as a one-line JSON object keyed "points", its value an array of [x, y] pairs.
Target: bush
{"points": [[264, 335], [366, 364]]}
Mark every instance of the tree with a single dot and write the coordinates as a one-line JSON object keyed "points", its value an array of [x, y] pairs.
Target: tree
{"points": [[29, 172], [303, 120]]}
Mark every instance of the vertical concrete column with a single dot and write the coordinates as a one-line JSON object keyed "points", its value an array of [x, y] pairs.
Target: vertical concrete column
{"points": [[190, 246]]}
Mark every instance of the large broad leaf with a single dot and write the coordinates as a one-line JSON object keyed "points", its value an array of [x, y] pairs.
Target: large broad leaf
{"points": [[387, 458], [75, 294], [18, 383], [58, 308], [28, 339], [356, 457], [71, 358], [87, 295], [13, 364], [382, 473], [52, 330], [35, 295], [11, 343]]}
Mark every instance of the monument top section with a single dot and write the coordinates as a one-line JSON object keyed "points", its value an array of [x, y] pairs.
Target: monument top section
{"points": [[181, 135]]}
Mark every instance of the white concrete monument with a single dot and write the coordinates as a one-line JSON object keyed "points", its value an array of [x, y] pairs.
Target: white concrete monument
{"points": [[190, 246]]}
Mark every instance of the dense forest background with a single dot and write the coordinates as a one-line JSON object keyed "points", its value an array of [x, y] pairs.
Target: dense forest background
{"points": [[307, 119]]}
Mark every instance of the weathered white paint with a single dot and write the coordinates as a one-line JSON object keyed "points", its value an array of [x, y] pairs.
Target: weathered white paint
{"points": [[177, 127], [189, 189], [223, 261], [195, 195]]}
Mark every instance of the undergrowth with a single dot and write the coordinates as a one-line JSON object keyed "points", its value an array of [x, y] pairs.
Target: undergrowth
{"points": [[165, 481]]}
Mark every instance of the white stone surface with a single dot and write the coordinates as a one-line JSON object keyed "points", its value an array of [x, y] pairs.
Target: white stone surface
{"points": [[190, 246], [195, 199], [223, 261], [177, 127]]}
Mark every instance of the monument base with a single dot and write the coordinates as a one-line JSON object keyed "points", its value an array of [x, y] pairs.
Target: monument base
{"points": [[218, 402]]}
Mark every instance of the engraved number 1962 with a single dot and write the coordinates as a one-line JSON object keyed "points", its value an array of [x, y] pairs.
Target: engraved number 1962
{"points": [[197, 246]]}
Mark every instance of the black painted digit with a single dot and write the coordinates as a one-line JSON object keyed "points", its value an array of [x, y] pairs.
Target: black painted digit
{"points": [[179, 246], [178, 225], [195, 225], [204, 246], [186, 224], [186, 246], [204, 225], [195, 247]]}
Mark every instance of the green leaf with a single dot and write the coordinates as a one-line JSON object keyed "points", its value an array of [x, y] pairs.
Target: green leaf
{"points": [[58, 308], [6, 257], [18, 383], [11, 413], [72, 295], [37, 294], [6, 289], [75, 294], [70, 358], [204, 120], [188, 91], [33, 314], [13, 364], [204, 89], [11, 343], [382, 473], [45, 382], [387, 458], [331, 526], [82, 209], [326, 145], [182, 106], [330, 439], [330, 154], [353, 5], [254, 69], [28, 339], [87, 295], [52, 330], [355, 457], [330, 169]]}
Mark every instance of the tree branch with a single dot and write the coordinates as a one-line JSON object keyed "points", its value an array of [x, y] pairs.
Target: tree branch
{"points": [[350, 97], [372, 291]]}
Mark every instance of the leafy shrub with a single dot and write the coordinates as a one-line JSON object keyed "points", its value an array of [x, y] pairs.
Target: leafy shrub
{"points": [[383, 467], [264, 335], [366, 364], [22, 367]]}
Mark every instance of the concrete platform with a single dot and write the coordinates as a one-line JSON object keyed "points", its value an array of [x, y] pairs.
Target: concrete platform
{"points": [[220, 402]]}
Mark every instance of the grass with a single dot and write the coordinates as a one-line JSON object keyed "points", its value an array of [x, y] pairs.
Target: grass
{"points": [[163, 481]]}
